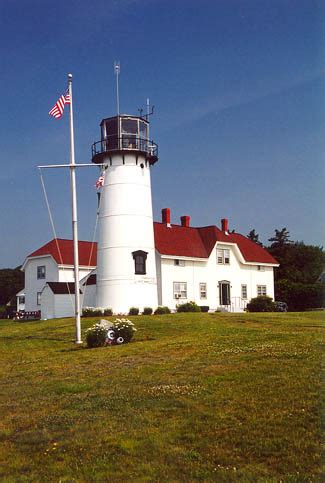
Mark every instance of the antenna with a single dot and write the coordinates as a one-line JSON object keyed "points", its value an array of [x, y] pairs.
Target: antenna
{"points": [[117, 69], [149, 113]]}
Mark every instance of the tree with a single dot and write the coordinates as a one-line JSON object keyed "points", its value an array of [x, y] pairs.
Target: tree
{"points": [[298, 262], [296, 277], [254, 237], [281, 238], [11, 282]]}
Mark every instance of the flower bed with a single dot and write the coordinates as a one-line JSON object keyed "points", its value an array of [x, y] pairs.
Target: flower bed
{"points": [[105, 333]]}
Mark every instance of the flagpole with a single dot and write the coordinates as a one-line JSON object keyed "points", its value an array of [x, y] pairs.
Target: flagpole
{"points": [[74, 218]]}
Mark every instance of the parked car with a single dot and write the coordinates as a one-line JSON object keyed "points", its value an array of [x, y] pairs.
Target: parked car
{"points": [[281, 307]]}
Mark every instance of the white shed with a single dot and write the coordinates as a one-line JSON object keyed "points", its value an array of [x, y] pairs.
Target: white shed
{"points": [[57, 300]]}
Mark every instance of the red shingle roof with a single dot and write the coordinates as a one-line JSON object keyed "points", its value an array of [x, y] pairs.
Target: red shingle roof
{"points": [[179, 241], [87, 252], [176, 241], [199, 242]]}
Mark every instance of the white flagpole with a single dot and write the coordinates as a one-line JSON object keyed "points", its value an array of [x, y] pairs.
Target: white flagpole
{"points": [[74, 219]]}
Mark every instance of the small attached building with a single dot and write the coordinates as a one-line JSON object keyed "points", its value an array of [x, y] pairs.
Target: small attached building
{"points": [[57, 300]]}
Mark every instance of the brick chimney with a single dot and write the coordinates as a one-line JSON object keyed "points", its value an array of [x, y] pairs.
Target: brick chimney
{"points": [[185, 221], [224, 225], [165, 216]]}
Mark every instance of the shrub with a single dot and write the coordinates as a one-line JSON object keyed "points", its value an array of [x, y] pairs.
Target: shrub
{"points": [[262, 303], [134, 311], [204, 308], [188, 307], [124, 329], [96, 335], [108, 312], [147, 311], [162, 310], [92, 312]]}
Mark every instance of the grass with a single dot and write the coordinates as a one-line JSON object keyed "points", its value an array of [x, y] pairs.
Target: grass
{"points": [[195, 397]]}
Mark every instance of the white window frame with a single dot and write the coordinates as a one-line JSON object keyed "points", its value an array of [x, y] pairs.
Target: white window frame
{"points": [[244, 291], [180, 290], [179, 263], [203, 290], [41, 272], [261, 290], [38, 298], [223, 256]]}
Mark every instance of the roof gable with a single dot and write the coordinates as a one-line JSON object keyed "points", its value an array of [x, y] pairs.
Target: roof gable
{"points": [[62, 252]]}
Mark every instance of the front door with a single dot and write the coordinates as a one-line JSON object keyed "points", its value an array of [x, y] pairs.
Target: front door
{"points": [[224, 293]]}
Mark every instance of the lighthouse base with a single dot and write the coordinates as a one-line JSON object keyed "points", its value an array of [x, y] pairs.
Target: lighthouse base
{"points": [[121, 295]]}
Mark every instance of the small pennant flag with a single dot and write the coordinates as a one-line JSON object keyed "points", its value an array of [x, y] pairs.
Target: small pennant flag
{"points": [[57, 109], [100, 182]]}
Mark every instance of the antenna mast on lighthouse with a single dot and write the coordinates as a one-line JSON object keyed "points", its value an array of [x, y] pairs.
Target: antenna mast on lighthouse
{"points": [[117, 69]]}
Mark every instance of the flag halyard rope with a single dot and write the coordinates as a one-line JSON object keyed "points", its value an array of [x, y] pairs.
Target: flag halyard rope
{"points": [[55, 234]]}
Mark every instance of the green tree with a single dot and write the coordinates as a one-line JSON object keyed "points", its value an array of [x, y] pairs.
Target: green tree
{"points": [[11, 282], [296, 277], [298, 262], [252, 235], [281, 238]]}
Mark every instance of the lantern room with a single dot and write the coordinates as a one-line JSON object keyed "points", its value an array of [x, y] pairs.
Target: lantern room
{"points": [[124, 133]]}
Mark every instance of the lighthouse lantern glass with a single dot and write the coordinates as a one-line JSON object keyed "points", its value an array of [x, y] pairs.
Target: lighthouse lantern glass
{"points": [[110, 133], [143, 130]]}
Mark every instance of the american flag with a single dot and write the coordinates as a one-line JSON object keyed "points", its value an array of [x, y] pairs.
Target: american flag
{"points": [[100, 182], [58, 108]]}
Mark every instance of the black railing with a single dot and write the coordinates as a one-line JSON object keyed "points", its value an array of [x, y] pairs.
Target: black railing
{"points": [[125, 142]]}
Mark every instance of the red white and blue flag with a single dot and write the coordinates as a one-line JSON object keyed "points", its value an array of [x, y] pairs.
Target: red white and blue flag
{"points": [[100, 181], [57, 109]]}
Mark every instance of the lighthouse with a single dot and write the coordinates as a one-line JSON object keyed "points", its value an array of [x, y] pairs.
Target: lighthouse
{"points": [[126, 265]]}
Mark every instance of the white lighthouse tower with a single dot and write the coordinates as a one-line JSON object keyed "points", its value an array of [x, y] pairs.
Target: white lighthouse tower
{"points": [[126, 268]]}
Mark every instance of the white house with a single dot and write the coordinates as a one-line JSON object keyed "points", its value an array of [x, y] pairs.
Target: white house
{"points": [[142, 263], [53, 263]]}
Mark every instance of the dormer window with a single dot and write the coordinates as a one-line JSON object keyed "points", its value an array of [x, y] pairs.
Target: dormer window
{"points": [[140, 258], [223, 256]]}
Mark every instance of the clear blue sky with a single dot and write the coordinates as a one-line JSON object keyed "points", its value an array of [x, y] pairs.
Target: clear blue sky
{"points": [[238, 88]]}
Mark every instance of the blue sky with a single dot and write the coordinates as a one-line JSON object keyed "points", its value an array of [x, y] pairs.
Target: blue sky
{"points": [[238, 88]]}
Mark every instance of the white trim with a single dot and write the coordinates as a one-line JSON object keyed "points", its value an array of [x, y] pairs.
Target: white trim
{"points": [[180, 257]]}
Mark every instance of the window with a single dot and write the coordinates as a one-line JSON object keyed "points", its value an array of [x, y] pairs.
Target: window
{"points": [[179, 263], [21, 299], [224, 292], [244, 291], [38, 298], [140, 258], [203, 290], [223, 256], [261, 268], [41, 272], [261, 290], [180, 290]]}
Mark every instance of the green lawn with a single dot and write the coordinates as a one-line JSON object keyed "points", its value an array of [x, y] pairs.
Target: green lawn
{"points": [[195, 397]]}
